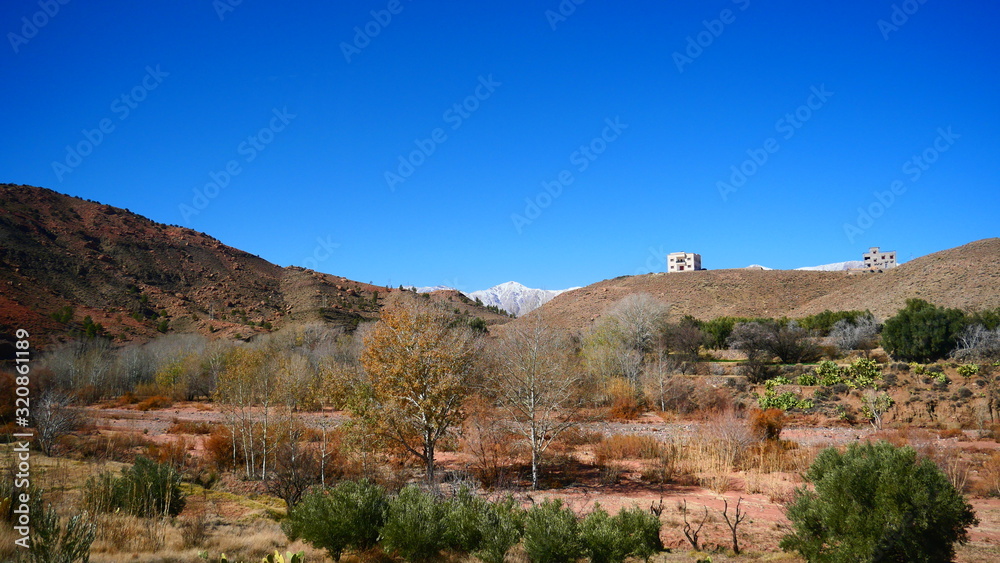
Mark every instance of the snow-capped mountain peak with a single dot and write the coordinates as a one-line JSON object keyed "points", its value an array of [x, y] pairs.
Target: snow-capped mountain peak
{"points": [[511, 296], [836, 266], [515, 298]]}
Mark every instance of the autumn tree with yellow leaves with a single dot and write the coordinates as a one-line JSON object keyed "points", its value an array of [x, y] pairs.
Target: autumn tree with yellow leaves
{"points": [[417, 369]]}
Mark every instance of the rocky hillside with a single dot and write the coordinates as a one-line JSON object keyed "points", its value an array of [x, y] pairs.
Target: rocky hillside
{"points": [[137, 277], [967, 277]]}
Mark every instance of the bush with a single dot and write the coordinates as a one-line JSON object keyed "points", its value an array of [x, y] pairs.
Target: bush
{"points": [[463, 521], [807, 379], [968, 370], [415, 527], [828, 373], [154, 403], [922, 332], [876, 502], [631, 533], [503, 526], [145, 490], [552, 534], [863, 373], [767, 424], [489, 530], [348, 516], [52, 542]]}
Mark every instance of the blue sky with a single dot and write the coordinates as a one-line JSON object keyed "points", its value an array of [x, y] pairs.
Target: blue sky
{"points": [[588, 139]]}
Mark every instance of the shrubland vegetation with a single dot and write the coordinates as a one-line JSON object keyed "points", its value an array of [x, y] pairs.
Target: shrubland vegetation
{"points": [[440, 421]]}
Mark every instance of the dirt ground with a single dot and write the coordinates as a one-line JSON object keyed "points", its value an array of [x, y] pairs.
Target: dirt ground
{"points": [[759, 534]]}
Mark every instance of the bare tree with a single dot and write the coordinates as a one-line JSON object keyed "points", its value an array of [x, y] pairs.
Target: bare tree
{"points": [[53, 417], [735, 522], [861, 334], [640, 320], [296, 469], [754, 340], [791, 343], [685, 338], [691, 532], [535, 384], [621, 339], [976, 343]]}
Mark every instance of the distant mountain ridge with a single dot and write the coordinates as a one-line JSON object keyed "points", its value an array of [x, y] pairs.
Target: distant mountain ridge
{"points": [[513, 297], [836, 266], [516, 298]]}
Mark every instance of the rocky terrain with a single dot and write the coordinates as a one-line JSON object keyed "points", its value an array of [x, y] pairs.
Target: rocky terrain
{"points": [[137, 277]]}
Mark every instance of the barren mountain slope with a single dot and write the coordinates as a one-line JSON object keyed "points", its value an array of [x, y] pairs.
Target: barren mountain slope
{"points": [[966, 277], [129, 274]]}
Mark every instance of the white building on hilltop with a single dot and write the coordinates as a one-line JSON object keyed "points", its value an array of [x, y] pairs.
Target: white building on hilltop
{"points": [[683, 262], [880, 260]]}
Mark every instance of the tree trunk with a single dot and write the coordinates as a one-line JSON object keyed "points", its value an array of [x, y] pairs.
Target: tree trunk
{"points": [[429, 455], [534, 468]]}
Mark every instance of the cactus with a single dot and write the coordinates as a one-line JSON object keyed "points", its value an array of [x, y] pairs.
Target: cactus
{"points": [[289, 557]]}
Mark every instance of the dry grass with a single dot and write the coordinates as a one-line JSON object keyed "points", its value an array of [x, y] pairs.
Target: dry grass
{"points": [[118, 533], [155, 402], [626, 403], [776, 457], [8, 550], [189, 427], [173, 453], [777, 488], [989, 476], [627, 446], [109, 446], [575, 436]]}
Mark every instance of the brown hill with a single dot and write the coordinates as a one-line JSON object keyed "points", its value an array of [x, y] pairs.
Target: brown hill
{"points": [[130, 274], [967, 277]]}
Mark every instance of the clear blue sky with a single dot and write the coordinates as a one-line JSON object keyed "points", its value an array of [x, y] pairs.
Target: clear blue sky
{"points": [[687, 114]]}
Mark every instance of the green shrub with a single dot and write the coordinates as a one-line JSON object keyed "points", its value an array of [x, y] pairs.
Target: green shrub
{"points": [[146, 489], [784, 401], [611, 539], [823, 322], [464, 524], [863, 373], [502, 528], [876, 502], [52, 542], [551, 533], [807, 379], [968, 370], [922, 332], [415, 526], [828, 373], [348, 516], [601, 539]]}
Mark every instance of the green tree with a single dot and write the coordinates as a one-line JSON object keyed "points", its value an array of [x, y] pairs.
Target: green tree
{"points": [[922, 332], [876, 502]]}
